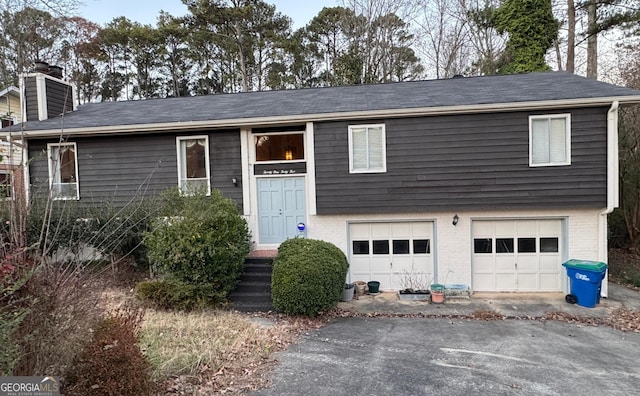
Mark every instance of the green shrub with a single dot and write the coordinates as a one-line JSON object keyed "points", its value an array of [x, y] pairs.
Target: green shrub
{"points": [[112, 363], [201, 240], [175, 294], [308, 276], [71, 225]]}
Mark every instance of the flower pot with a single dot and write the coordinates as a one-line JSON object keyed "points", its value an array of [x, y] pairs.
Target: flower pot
{"points": [[374, 287], [347, 292], [437, 293], [361, 287]]}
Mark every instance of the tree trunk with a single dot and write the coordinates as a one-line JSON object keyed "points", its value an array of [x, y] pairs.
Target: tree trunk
{"points": [[571, 36], [592, 40]]}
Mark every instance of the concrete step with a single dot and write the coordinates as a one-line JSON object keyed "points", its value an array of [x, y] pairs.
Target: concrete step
{"points": [[252, 307], [253, 287]]}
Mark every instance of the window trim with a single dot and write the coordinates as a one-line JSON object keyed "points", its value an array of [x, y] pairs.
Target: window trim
{"points": [[383, 169], [9, 174], [50, 146], [207, 163], [549, 117]]}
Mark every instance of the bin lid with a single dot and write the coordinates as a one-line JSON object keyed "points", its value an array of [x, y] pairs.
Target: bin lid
{"points": [[437, 286], [586, 265]]}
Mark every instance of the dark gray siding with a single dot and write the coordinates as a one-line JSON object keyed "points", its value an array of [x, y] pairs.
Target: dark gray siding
{"points": [[59, 98], [116, 168], [457, 162], [31, 98]]}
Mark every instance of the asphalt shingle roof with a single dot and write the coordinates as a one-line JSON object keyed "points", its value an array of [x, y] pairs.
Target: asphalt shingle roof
{"points": [[467, 91]]}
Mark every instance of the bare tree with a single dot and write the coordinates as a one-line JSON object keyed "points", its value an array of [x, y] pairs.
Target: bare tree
{"points": [[592, 39], [445, 37], [571, 36]]}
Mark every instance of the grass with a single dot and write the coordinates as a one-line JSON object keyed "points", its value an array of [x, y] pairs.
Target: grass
{"points": [[186, 343]]}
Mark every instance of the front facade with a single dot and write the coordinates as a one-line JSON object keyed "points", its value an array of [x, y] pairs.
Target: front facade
{"points": [[494, 196]]}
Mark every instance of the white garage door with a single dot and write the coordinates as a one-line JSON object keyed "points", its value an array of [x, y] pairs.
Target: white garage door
{"points": [[517, 255], [398, 255]]}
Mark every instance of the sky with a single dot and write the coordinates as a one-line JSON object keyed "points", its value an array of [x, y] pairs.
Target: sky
{"points": [[146, 11]]}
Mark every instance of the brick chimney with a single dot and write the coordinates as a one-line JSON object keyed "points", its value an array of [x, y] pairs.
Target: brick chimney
{"points": [[45, 94]]}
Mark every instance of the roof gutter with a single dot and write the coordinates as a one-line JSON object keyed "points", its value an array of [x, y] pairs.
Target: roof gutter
{"points": [[337, 116]]}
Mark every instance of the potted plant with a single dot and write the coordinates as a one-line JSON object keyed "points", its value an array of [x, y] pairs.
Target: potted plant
{"points": [[415, 286], [347, 292]]}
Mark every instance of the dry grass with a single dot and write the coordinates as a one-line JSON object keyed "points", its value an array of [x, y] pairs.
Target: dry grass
{"points": [[185, 343], [205, 352]]}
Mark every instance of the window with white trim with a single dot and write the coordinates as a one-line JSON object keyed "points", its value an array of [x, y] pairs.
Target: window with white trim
{"points": [[63, 170], [367, 149], [193, 164], [550, 140], [6, 185]]}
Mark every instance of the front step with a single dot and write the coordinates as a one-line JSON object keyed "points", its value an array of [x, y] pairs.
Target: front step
{"points": [[253, 293]]}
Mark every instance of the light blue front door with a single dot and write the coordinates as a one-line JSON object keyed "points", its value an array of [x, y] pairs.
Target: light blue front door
{"points": [[281, 206]]}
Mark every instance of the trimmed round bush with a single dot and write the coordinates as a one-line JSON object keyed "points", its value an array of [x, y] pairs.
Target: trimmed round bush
{"points": [[308, 276]]}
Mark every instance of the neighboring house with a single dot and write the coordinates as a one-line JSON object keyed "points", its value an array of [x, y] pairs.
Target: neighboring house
{"points": [[10, 153], [490, 182], [10, 106]]}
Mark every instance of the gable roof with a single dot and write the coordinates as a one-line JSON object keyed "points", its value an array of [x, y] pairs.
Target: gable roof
{"points": [[11, 90], [455, 95]]}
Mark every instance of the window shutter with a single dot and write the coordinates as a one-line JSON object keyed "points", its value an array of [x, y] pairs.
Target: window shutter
{"points": [[359, 147], [557, 140], [540, 141]]}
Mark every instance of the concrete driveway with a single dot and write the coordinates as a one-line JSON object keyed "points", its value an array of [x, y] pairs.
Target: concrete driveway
{"points": [[399, 356]]}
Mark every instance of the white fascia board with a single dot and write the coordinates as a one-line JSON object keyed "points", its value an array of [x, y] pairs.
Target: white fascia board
{"points": [[304, 118]]}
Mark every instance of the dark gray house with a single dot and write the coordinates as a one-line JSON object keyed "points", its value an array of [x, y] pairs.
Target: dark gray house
{"points": [[490, 182]]}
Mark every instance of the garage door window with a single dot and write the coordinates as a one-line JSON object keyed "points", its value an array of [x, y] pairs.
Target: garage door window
{"points": [[421, 246], [526, 245], [381, 247], [548, 245], [401, 246], [360, 247], [482, 245], [504, 245]]}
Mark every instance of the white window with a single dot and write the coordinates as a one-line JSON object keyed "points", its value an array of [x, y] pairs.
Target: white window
{"points": [[367, 149], [193, 164], [63, 170], [6, 185], [550, 140]]}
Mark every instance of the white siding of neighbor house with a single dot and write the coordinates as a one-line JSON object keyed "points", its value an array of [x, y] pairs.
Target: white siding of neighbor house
{"points": [[452, 244]]}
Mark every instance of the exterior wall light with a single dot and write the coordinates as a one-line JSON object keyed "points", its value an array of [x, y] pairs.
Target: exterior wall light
{"points": [[455, 220], [235, 182]]}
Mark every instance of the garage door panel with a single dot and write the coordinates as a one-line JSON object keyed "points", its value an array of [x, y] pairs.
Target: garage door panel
{"points": [[527, 227], [505, 263], [528, 263], [550, 228], [504, 228], [400, 230], [360, 264], [359, 231], [505, 281], [549, 263], [422, 230], [552, 281], [380, 230], [528, 282]]}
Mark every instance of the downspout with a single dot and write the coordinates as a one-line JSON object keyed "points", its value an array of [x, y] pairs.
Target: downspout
{"points": [[613, 184]]}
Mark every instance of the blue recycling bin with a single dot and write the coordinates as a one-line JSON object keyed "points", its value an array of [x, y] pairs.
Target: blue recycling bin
{"points": [[586, 281]]}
